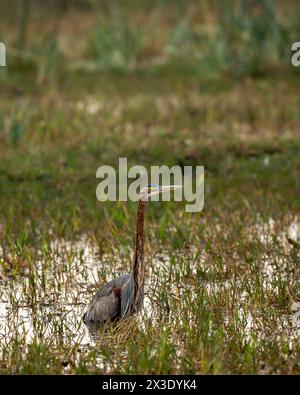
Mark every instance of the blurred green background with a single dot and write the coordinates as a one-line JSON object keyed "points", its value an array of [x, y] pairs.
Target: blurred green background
{"points": [[159, 82]]}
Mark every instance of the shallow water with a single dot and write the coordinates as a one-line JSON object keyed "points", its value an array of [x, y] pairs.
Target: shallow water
{"points": [[48, 302], [59, 294]]}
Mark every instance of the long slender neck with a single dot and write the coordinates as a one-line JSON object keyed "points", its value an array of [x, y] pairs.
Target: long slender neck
{"points": [[138, 261]]}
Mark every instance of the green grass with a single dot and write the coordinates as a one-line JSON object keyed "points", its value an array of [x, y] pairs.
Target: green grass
{"points": [[221, 284]]}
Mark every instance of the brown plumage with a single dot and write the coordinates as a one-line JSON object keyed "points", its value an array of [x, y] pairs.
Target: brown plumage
{"points": [[123, 296]]}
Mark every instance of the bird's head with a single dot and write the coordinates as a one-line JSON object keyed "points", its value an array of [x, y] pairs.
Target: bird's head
{"points": [[152, 190]]}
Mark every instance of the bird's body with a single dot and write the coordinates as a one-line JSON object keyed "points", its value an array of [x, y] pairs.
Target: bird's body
{"points": [[123, 296], [107, 303]]}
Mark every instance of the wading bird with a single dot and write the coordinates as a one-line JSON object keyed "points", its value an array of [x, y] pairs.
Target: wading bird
{"points": [[123, 296]]}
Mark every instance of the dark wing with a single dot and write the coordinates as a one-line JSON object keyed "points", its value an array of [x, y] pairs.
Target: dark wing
{"points": [[106, 304], [127, 297]]}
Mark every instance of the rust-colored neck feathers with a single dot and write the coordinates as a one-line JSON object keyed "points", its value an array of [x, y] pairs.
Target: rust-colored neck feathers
{"points": [[138, 262]]}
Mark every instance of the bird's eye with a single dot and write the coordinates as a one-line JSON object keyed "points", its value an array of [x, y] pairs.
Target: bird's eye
{"points": [[151, 188]]}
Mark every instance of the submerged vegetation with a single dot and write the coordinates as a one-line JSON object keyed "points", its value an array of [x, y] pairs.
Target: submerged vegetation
{"points": [[164, 83]]}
